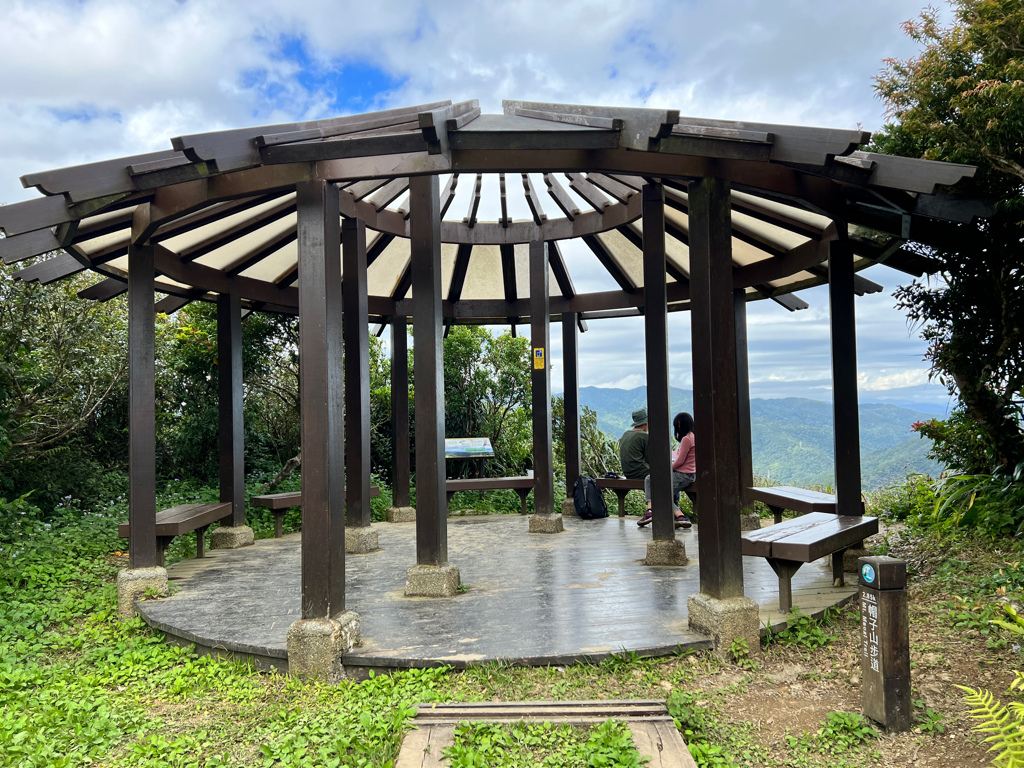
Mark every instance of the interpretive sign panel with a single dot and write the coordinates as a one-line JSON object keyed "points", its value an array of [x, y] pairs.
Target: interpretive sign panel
{"points": [[467, 448]]}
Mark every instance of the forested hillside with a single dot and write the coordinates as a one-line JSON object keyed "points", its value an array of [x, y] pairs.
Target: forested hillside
{"points": [[792, 437]]}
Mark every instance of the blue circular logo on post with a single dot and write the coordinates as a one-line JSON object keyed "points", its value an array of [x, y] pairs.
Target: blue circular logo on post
{"points": [[868, 572]]}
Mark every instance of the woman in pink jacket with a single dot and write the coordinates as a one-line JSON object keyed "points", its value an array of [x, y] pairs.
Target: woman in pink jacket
{"points": [[684, 470]]}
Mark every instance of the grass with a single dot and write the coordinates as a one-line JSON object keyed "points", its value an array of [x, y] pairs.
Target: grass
{"points": [[80, 688]]}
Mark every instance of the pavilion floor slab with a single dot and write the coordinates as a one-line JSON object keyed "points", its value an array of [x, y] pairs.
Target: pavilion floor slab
{"points": [[527, 599]]}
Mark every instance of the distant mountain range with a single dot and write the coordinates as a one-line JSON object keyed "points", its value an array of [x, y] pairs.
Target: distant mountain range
{"points": [[792, 437]]}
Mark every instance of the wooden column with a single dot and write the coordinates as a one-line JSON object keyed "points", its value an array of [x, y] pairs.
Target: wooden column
{"points": [[142, 546], [540, 380], [571, 398], [400, 411], [846, 420], [716, 405], [659, 449], [229, 390], [357, 374], [746, 458], [321, 397], [428, 361]]}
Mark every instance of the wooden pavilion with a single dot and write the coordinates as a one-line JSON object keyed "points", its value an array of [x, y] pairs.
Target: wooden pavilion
{"points": [[351, 221]]}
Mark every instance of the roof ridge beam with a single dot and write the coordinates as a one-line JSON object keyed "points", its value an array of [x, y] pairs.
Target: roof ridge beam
{"points": [[641, 129]]}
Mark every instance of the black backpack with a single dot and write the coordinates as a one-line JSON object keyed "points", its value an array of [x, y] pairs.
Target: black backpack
{"points": [[586, 496]]}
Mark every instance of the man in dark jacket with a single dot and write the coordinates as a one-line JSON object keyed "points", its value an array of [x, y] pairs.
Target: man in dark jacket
{"points": [[633, 448]]}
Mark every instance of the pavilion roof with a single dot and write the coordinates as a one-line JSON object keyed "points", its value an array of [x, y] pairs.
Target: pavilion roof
{"points": [[220, 207]]}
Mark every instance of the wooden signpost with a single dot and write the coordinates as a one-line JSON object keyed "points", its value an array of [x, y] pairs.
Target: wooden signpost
{"points": [[885, 641]]}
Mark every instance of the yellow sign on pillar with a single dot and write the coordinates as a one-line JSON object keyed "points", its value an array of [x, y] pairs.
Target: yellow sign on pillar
{"points": [[538, 358]]}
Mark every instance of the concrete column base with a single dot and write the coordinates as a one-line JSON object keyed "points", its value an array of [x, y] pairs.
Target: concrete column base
{"points": [[228, 537], [432, 580], [749, 521], [666, 552], [359, 541], [725, 620], [850, 558], [316, 647], [569, 508], [133, 583], [546, 524], [400, 514]]}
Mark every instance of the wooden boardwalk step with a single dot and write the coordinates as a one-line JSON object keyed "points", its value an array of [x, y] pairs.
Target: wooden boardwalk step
{"points": [[653, 729]]}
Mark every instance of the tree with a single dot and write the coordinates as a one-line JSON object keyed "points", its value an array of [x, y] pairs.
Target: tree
{"points": [[962, 100], [62, 368]]}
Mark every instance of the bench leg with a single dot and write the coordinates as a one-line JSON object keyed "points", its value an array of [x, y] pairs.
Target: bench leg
{"points": [[162, 543], [621, 493], [776, 513], [523, 493], [201, 541], [837, 569], [785, 570], [278, 522]]}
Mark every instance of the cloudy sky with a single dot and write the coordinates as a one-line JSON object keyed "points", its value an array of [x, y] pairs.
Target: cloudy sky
{"points": [[92, 79]]}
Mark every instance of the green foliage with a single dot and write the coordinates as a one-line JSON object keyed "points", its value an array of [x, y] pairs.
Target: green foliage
{"points": [[1004, 726], [530, 745], [740, 652], [962, 99], [957, 442], [803, 631], [913, 499], [992, 504]]}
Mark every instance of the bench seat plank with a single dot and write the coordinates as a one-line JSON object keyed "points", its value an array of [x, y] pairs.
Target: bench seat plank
{"points": [[183, 519], [488, 483], [838, 533], [290, 499], [759, 543]]}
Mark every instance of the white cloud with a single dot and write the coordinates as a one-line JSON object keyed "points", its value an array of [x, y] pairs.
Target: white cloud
{"points": [[93, 79]]}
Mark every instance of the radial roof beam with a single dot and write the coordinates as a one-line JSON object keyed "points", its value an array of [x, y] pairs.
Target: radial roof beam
{"points": [[459, 272], [104, 290], [609, 263], [562, 277], [533, 201]]}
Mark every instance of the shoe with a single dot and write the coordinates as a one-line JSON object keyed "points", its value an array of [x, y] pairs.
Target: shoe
{"points": [[683, 522], [645, 519]]}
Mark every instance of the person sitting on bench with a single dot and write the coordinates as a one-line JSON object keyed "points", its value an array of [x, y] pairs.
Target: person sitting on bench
{"points": [[684, 470], [633, 448]]}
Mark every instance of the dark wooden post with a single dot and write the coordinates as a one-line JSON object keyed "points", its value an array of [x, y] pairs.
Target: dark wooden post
{"points": [[885, 642], [540, 380], [321, 397], [846, 420], [357, 374], [400, 410], [142, 545], [428, 359], [571, 398], [743, 397], [717, 429], [659, 450], [229, 389]]}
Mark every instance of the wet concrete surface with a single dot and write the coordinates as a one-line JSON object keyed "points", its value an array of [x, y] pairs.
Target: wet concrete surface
{"points": [[531, 598]]}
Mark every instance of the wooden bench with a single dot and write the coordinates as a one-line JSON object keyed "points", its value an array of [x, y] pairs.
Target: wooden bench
{"points": [[804, 539], [182, 519], [799, 500], [279, 503], [521, 485], [621, 486]]}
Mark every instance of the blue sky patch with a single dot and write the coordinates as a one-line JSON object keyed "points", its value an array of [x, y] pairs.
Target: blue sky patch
{"points": [[84, 113], [347, 85]]}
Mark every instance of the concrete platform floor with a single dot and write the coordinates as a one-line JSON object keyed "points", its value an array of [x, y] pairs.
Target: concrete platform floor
{"points": [[530, 598]]}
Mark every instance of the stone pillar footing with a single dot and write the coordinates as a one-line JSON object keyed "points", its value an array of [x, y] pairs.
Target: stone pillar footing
{"points": [[750, 521], [135, 583], [360, 540], [569, 508], [850, 558], [726, 620], [316, 647], [666, 552], [232, 537], [400, 514], [432, 580], [546, 524]]}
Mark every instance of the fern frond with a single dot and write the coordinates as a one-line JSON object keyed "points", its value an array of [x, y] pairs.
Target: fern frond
{"points": [[1007, 732]]}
